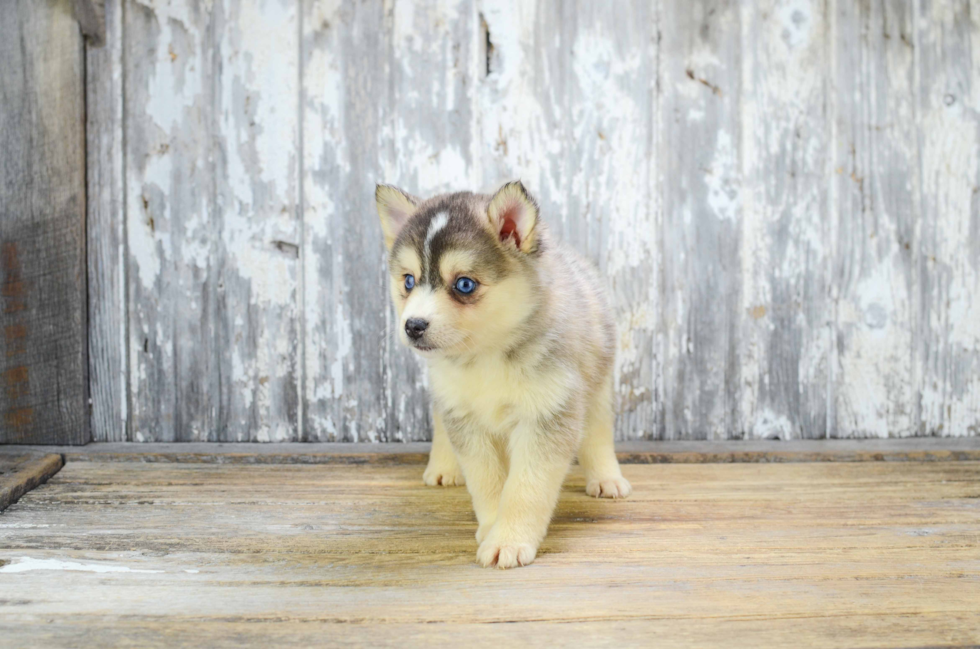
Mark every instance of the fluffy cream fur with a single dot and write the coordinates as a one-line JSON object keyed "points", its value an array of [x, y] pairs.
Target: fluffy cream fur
{"points": [[520, 369]]}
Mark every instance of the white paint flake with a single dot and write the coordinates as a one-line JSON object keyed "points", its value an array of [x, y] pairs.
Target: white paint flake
{"points": [[723, 179], [27, 564]]}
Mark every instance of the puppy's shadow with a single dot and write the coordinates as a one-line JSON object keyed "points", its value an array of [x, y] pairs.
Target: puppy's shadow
{"points": [[437, 524], [582, 519]]}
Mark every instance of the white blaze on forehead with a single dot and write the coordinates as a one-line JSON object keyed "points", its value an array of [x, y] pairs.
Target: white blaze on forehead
{"points": [[437, 223]]}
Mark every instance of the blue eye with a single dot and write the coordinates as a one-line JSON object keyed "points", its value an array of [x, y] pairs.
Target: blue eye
{"points": [[465, 285], [409, 282]]}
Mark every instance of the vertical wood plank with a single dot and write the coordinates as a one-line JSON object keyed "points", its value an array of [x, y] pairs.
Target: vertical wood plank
{"points": [[610, 175], [567, 106], [701, 193], [434, 71], [255, 218], [875, 175], [107, 308], [171, 230], [344, 94], [786, 256], [43, 362], [523, 101], [947, 40]]}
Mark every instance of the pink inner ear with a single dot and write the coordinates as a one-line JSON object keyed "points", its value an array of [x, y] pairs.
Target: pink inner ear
{"points": [[398, 218], [508, 225]]}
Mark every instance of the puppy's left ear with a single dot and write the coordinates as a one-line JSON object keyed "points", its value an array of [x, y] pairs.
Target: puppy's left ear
{"points": [[513, 215], [395, 207]]}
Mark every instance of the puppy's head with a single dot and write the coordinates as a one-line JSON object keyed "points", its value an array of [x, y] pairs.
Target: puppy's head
{"points": [[462, 267]]}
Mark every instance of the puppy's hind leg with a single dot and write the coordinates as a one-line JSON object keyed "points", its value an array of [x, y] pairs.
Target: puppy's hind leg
{"points": [[443, 468], [597, 454]]}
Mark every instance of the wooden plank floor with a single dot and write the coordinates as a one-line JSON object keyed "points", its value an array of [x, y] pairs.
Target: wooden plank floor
{"points": [[814, 554]]}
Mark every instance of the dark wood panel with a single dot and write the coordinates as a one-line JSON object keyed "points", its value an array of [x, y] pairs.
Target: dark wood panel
{"points": [[43, 363]]}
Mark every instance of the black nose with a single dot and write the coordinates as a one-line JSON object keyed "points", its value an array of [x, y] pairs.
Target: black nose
{"points": [[415, 327]]}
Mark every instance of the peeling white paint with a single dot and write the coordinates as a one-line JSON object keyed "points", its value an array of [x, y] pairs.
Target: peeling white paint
{"points": [[17, 526], [343, 349], [771, 425], [748, 238], [875, 393], [950, 398], [795, 22], [723, 180], [27, 564]]}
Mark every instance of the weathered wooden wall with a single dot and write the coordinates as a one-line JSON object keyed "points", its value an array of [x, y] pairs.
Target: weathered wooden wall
{"points": [[43, 365], [782, 194]]}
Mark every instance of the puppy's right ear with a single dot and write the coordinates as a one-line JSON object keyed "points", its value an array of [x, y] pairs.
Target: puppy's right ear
{"points": [[395, 207]]}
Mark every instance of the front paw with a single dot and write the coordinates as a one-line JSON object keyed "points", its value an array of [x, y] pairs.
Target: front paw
{"points": [[443, 473], [611, 487], [497, 552]]}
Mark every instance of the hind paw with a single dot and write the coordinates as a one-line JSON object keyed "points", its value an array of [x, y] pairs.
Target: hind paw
{"points": [[614, 487], [440, 473]]}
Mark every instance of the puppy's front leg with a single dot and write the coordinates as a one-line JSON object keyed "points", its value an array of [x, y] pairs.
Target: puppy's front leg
{"points": [[483, 468], [443, 469], [537, 470]]}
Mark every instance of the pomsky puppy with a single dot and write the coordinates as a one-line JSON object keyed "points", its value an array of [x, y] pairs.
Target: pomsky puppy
{"points": [[519, 342]]}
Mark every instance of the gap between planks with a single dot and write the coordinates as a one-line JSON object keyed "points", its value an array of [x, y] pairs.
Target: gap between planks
{"points": [[919, 449]]}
